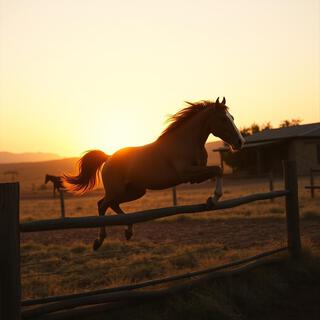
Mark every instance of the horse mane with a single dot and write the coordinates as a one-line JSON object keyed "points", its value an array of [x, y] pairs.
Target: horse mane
{"points": [[188, 112]]}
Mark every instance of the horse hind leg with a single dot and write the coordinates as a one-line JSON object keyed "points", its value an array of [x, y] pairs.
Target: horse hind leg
{"points": [[103, 205], [130, 195], [127, 232]]}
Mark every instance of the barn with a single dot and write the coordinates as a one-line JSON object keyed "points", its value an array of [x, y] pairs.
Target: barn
{"points": [[264, 151]]}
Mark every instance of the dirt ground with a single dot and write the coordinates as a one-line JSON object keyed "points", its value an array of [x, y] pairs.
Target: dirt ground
{"points": [[57, 262], [249, 225], [235, 233]]}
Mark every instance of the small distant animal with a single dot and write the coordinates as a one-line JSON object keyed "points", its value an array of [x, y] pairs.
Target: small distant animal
{"points": [[177, 156], [57, 183]]}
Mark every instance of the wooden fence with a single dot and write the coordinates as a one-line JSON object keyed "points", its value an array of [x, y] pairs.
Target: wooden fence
{"points": [[270, 180], [312, 186], [70, 306]]}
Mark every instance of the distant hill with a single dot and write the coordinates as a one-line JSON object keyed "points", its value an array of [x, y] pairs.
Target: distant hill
{"points": [[9, 157], [31, 174]]}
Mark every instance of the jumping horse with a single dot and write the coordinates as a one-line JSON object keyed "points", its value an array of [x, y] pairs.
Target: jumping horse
{"points": [[57, 183], [177, 156]]}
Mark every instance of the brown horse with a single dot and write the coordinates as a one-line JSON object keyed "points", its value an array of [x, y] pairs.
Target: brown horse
{"points": [[57, 183], [177, 156]]}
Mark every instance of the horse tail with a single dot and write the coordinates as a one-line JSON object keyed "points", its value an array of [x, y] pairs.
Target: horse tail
{"points": [[89, 166]]}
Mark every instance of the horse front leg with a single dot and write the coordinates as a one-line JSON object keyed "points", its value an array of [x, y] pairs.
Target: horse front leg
{"points": [[217, 194], [218, 190], [197, 174]]}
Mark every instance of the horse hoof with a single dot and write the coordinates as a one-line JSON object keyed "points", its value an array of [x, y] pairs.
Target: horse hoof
{"points": [[211, 203], [217, 196], [96, 245], [128, 234]]}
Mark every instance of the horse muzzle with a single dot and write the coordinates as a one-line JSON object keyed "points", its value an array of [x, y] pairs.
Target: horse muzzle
{"points": [[238, 145]]}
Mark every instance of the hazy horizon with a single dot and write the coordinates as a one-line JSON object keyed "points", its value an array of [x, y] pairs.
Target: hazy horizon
{"points": [[61, 156], [79, 75]]}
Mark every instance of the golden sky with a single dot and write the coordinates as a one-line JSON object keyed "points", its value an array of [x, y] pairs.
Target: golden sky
{"points": [[83, 74]]}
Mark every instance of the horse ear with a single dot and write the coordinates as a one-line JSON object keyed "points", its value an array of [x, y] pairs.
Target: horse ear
{"points": [[217, 101], [224, 101]]}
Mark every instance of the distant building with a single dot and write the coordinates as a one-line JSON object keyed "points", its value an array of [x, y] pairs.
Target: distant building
{"points": [[265, 150]]}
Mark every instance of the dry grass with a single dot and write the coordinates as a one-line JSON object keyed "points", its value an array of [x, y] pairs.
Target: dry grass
{"points": [[60, 262]]}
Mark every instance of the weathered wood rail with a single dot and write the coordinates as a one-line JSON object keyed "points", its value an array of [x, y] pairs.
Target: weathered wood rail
{"points": [[312, 186], [58, 307], [143, 216]]}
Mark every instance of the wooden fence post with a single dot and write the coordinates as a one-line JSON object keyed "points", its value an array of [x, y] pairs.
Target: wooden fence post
{"points": [[311, 183], [174, 196], [292, 208], [271, 185], [10, 289], [63, 213]]}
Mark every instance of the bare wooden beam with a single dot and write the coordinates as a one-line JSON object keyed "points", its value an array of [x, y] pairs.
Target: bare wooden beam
{"points": [[10, 290], [63, 213], [312, 183], [142, 216], [271, 184]]}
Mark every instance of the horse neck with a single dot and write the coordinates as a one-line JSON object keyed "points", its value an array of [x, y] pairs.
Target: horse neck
{"points": [[194, 131]]}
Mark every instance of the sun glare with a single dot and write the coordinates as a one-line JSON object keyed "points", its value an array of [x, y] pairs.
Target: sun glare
{"points": [[120, 129]]}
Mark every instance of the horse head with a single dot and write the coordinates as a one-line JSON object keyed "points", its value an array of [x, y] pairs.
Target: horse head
{"points": [[223, 126], [47, 179]]}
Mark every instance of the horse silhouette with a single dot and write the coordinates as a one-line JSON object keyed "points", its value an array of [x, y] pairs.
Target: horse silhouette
{"points": [[177, 156], [57, 183]]}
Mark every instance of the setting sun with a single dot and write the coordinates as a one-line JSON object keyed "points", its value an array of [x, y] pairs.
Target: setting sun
{"points": [[120, 128]]}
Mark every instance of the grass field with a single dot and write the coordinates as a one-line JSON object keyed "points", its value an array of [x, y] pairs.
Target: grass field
{"points": [[62, 262], [282, 290]]}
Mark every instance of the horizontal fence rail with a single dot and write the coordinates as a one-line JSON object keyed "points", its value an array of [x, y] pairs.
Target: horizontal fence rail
{"points": [[142, 216]]}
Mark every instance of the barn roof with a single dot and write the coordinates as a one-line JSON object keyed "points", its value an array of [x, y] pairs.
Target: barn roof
{"points": [[310, 130], [268, 136]]}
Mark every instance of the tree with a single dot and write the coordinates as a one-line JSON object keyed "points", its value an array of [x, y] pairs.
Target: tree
{"points": [[289, 123], [267, 126], [255, 128], [245, 131]]}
